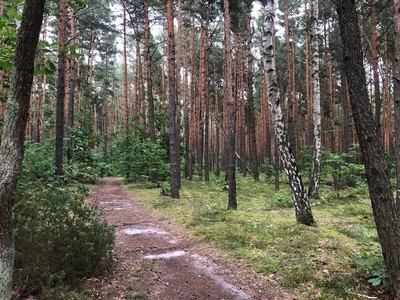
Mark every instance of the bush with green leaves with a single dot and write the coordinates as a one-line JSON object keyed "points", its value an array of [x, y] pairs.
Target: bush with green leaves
{"points": [[58, 237], [164, 189], [343, 172], [144, 160], [86, 166], [370, 263], [39, 163]]}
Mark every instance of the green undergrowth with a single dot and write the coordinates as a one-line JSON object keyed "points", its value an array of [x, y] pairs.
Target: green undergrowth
{"points": [[332, 260]]}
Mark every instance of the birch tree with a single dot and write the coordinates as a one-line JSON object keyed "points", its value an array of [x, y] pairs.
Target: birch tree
{"points": [[13, 136], [299, 195], [316, 162]]}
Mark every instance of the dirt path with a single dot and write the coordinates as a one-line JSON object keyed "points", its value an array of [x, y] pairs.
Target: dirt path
{"points": [[155, 261]]}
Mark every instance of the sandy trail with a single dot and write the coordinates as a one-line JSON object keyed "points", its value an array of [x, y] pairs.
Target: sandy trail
{"points": [[155, 261]]}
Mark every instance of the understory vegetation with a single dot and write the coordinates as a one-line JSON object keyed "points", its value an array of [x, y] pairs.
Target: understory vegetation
{"points": [[339, 258], [59, 238]]}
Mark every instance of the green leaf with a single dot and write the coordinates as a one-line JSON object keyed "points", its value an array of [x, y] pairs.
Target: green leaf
{"points": [[5, 65], [375, 281], [12, 13]]}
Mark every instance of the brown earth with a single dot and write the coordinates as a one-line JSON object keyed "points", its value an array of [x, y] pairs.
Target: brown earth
{"points": [[154, 260]]}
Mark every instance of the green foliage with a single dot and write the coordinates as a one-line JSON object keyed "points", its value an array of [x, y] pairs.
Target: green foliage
{"points": [[344, 173], [86, 167], [268, 169], [8, 37], [282, 199], [164, 189], [62, 292], [58, 238], [143, 160], [313, 262], [39, 163], [370, 263]]}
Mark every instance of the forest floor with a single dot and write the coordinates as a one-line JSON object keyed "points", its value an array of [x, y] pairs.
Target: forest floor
{"points": [[155, 260]]}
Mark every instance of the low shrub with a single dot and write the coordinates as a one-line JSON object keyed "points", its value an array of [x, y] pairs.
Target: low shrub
{"points": [[59, 239]]}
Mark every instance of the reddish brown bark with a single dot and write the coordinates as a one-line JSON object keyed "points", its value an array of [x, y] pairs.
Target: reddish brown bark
{"points": [[230, 112], [149, 80], [173, 145], [61, 70]]}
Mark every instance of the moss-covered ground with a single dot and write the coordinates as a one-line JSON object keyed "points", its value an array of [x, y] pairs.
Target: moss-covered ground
{"points": [[331, 260]]}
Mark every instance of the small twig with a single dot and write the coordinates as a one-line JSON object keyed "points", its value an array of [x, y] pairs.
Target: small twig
{"points": [[163, 282], [361, 295]]}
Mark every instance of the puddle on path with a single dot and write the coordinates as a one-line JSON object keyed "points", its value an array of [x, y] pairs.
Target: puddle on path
{"points": [[141, 229], [166, 255], [209, 268], [115, 205]]}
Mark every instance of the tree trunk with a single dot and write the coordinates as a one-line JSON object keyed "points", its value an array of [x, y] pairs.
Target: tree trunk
{"points": [[385, 210], [344, 97], [13, 135], [186, 110], [290, 87], [374, 51], [396, 96], [125, 95], [299, 195], [173, 146], [178, 90], [217, 117], [308, 132], [62, 42], [230, 113], [148, 74], [106, 118], [251, 119], [277, 166], [240, 106], [316, 162], [203, 79], [71, 82], [192, 109], [387, 103]]}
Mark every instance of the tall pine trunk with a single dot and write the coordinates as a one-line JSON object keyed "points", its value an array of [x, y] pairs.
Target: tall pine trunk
{"points": [[125, 96], [71, 82], [13, 134], [396, 96], [62, 42], [230, 113], [250, 115], [374, 51], [173, 145], [149, 80], [299, 195], [178, 90], [290, 87], [385, 209]]}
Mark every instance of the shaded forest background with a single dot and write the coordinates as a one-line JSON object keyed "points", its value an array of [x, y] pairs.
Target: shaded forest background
{"points": [[116, 83]]}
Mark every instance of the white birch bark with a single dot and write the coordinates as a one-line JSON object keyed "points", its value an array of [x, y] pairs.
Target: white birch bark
{"points": [[316, 162], [299, 195]]}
